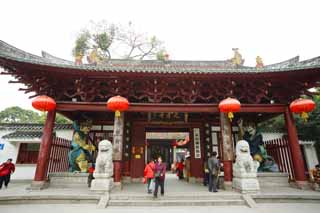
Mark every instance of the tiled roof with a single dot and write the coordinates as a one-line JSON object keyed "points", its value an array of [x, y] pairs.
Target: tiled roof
{"points": [[25, 131], [31, 127], [9, 52], [23, 134]]}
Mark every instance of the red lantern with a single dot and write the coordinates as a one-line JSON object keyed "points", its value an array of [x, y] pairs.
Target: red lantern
{"points": [[229, 105], [302, 106], [44, 103], [117, 104]]}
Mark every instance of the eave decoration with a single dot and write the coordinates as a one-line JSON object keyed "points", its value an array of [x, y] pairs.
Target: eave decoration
{"points": [[117, 104], [181, 142], [44, 103], [302, 107], [229, 106]]}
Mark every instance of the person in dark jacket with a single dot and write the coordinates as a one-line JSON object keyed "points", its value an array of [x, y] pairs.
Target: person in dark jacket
{"points": [[213, 166], [6, 169], [159, 175]]}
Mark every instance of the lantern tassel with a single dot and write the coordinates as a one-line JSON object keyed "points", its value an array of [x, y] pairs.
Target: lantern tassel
{"points": [[304, 116], [230, 116], [117, 114]]}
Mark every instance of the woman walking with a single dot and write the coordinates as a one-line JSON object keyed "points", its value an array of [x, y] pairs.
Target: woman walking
{"points": [[159, 175], [149, 175], [180, 167], [6, 169]]}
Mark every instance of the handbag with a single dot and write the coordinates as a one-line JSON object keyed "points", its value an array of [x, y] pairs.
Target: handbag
{"points": [[216, 172], [157, 174]]}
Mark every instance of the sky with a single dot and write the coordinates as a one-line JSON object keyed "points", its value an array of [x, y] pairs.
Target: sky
{"points": [[190, 29]]}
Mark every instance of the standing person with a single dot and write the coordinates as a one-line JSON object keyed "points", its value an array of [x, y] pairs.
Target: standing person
{"points": [[180, 167], [213, 166], [6, 169], [90, 176], [206, 173], [159, 175], [149, 175], [187, 167]]}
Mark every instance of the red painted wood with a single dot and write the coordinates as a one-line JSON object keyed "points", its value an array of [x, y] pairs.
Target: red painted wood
{"points": [[158, 107], [227, 168], [117, 165], [138, 140], [297, 159], [280, 151], [126, 168], [59, 155], [45, 147]]}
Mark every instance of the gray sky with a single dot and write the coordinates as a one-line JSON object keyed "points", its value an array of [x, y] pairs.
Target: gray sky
{"points": [[191, 30]]}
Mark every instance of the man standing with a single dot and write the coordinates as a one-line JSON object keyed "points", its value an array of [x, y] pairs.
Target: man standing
{"points": [[213, 166], [6, 169]]}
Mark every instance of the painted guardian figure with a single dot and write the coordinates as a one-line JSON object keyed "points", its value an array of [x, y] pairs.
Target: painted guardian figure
{"points": [[80, 152], [249, 133]]}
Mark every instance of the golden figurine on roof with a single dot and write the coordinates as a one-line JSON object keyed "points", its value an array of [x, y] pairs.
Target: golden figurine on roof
{"points": [[237, 59], [259, 62]]}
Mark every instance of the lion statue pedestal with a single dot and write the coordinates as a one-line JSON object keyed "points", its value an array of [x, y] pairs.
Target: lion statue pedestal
{"points": [[245, 170], [104, 168]]}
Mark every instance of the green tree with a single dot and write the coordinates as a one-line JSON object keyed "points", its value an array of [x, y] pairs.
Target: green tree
{"points": [[18, 115], [60, 119], [116, 41]]}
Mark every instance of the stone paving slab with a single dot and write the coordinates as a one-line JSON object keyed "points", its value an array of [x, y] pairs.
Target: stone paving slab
{"points": [[174, 190], [80, 208]]}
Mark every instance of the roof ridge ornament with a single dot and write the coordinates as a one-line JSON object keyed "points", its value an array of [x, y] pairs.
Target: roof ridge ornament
{"points": [[237, 59], [259, 62]]}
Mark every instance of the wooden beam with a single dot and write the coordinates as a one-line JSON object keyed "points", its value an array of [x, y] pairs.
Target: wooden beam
{"points": [[162, 107]]}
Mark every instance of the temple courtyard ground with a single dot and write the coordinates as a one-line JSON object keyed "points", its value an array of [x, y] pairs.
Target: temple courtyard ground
{"points": [[179, 197], [79, 208]]}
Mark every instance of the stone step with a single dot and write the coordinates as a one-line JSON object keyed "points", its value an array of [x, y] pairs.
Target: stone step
{"points": [[49, 199], [177, 197], [165, 202], [68, 180], [273, 179]]}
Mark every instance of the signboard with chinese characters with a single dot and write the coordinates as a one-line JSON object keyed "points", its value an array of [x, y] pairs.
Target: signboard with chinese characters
{"points": [[118, 137], [196, 140]]}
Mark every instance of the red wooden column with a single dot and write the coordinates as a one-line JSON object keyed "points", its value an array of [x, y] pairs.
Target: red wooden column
{"points": [[227, 146], [44, 152], [297, 158], [117, 147]]}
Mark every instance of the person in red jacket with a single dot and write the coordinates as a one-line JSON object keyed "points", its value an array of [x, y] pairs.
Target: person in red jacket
{"points": [[6, 169], [180, 167], [149, 175], [90, 176]]}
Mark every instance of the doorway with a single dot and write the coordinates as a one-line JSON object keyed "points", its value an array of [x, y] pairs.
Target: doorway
{"points": [[173, 146]]}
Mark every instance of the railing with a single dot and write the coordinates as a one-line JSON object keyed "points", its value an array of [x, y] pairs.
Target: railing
{"points": [[280, 151], [58, 160]]}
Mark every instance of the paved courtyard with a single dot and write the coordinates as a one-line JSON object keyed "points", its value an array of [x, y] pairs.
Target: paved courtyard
{"points": [[78, 208], [173, 188]]}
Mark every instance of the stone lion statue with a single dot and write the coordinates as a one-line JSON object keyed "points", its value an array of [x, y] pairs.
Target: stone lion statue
{"points": [[104, 164], [244, 165]]}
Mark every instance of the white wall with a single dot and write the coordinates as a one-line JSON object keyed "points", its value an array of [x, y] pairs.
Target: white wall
{"points": [[10, 149], [271, 135], [24, 172], [310, 154], [66, 134]]}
